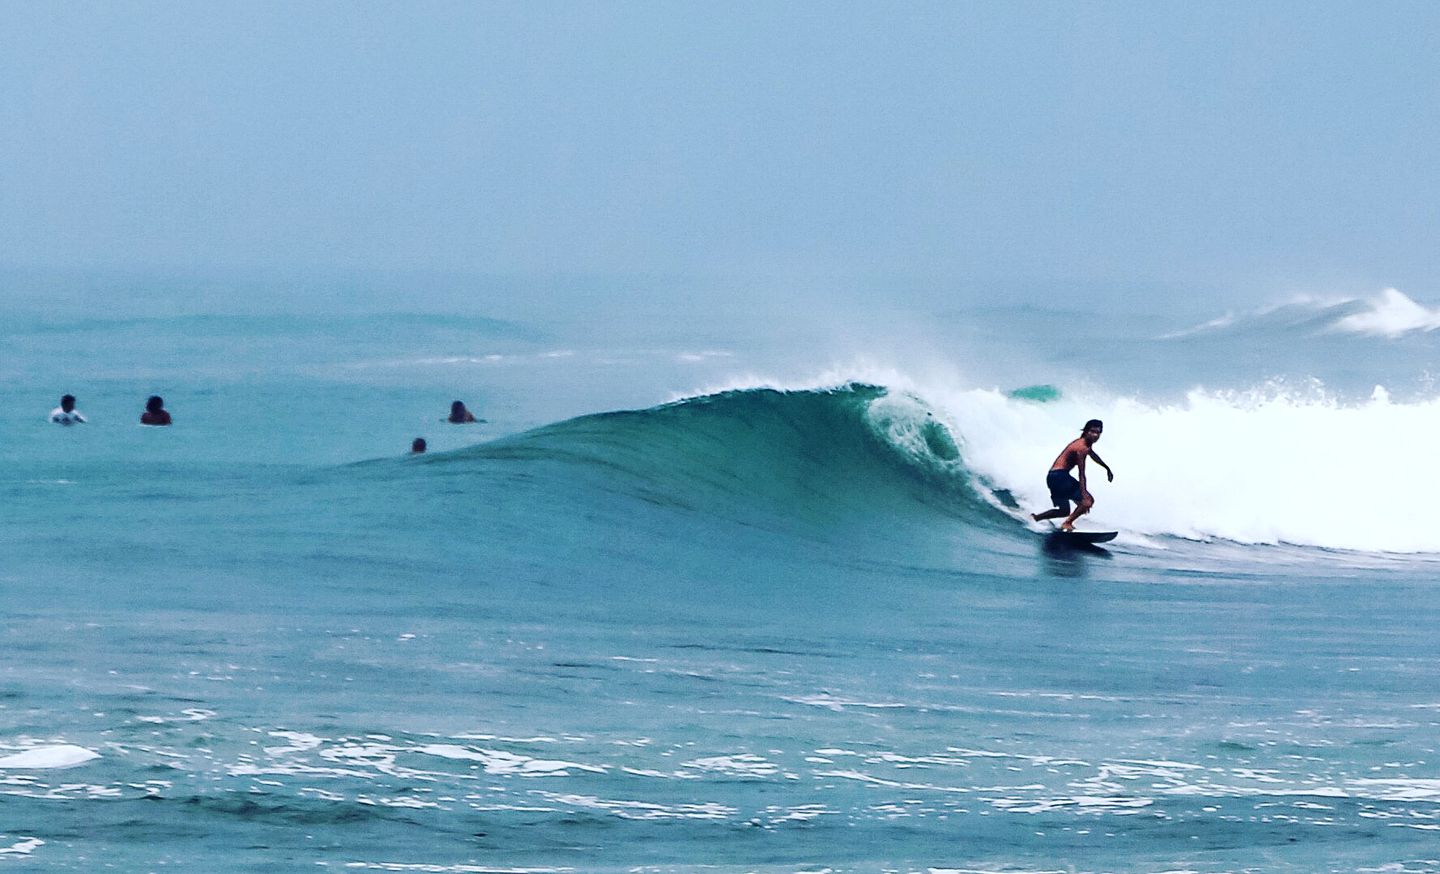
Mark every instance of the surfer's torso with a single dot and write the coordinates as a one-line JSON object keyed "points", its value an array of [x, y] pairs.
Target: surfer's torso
{"points": [[1071, 455]]}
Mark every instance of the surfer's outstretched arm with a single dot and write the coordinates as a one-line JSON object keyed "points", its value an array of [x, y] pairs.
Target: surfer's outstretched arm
{"points": [[1109, 474]]}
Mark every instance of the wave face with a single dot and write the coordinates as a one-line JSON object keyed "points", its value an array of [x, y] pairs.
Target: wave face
{"points": [[824, 456]]}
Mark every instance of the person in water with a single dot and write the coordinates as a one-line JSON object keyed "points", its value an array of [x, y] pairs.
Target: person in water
{"points": [[66, 414], [1064, 488], [459, 415], [155, 412], [417, 446]]}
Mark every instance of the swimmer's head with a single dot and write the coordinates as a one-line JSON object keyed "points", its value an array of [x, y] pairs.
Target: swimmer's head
{"points": [[67, 403], [457, 408], [418, 445], [155, 404]]}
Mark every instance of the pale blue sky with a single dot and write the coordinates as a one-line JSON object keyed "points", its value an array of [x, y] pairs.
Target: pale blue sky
{"points": [[1256, 147]]}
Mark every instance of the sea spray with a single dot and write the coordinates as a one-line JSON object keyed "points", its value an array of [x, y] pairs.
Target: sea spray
{"points": [[1276, 466]]}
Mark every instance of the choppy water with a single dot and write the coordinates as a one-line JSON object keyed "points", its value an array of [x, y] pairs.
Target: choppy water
{"points": [[659, 613]]}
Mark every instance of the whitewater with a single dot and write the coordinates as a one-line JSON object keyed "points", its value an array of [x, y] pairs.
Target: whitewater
{"points": [[723, 595]]}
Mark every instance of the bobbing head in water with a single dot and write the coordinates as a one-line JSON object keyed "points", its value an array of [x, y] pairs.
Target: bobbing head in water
{"points": [[155, 413], [459, 415]]}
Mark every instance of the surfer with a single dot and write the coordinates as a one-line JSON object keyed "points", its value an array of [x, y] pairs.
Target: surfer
{"points": [[1064, 488], [459, 415], [155, 412], [66, 414]]}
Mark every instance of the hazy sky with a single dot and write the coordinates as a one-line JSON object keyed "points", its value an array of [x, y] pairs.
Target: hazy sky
{"points": [[1265, 146]]}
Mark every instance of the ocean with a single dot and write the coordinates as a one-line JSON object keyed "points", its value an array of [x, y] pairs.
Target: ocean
{"points": [[728, 592]]}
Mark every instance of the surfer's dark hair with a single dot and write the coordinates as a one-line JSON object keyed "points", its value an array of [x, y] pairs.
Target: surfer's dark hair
{"points": [[1093, 423], [155, 403]]}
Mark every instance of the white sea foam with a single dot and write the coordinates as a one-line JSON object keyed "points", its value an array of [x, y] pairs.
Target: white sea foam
{"points": [[405, 802], [193, 714], [299, 742], [626, 809], [1261, 467], [500, 762], [1398, 789], [56, 756], [742, 765], [22, 847], [803, 813]]}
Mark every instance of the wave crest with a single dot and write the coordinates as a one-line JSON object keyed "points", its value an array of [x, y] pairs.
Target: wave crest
{"points": [[1390, 314]]}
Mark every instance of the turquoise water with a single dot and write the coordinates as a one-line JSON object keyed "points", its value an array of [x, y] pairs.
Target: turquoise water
{"points": [[659, 613]]}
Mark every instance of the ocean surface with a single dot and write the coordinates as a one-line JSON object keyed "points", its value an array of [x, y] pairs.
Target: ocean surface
{"points": [[707, 592]]}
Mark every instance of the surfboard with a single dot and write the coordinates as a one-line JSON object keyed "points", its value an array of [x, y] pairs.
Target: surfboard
{"points": [[1084, 536]]}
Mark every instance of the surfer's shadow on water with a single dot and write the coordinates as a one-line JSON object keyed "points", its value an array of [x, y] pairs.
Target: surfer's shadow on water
{"points": [[1066, 557]]}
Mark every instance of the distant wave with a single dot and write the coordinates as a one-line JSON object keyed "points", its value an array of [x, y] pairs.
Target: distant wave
{"points": [[1389, 314], [266, 325]]}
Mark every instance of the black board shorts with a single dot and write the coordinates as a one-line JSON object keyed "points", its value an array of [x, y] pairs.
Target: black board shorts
{"points": [[1064, 488]]}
